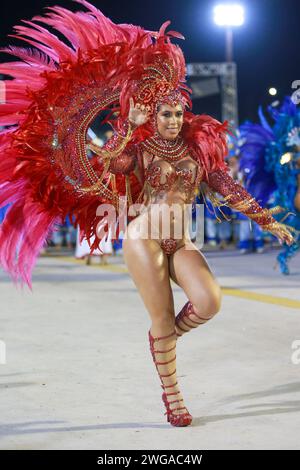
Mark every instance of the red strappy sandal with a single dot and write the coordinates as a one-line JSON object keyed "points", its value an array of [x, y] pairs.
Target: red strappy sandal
{"points": [[186, 312], [183, 419]]}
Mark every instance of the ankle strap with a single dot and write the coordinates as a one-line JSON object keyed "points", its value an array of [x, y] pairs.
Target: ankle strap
{"points": [[189, 310], [157, 338], [167, 362], [173, 393], [167, 375], [164, 350], [168, 386]]}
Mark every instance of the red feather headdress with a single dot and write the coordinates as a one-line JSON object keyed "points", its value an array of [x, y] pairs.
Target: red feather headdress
{"points": [[57, 90]]}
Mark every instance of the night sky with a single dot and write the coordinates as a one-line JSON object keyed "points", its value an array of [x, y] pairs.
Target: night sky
{"points": [[266, 47]]}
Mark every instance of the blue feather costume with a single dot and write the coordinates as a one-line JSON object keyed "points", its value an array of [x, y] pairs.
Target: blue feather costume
{"points": [[270, 157]]}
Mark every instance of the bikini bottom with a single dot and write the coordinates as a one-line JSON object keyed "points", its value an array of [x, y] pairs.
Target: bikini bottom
{"points": [[170, 245]]}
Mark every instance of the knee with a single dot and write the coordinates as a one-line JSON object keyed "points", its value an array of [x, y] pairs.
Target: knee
{"points": [[208, 303]]}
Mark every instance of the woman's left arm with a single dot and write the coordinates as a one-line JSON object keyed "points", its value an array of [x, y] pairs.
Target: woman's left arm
{"points": [[239, 199]]}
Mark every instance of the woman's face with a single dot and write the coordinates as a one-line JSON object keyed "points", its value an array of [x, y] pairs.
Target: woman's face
{"points": [[169, 121]]}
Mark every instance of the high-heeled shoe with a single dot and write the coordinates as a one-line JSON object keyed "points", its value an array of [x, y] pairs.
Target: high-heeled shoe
{"points": [[186, 312], [182, 419]]}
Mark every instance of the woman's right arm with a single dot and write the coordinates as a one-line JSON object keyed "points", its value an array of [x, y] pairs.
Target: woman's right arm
{"points": [[122, 159], [124, 163]]}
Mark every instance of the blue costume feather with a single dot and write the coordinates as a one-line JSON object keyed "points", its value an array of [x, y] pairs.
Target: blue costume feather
{"points": [[266, 173]]}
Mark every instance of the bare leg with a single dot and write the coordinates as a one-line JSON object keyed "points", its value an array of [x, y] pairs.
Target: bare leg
{"points": [[148, 267], [103, 259], [189, 269]]}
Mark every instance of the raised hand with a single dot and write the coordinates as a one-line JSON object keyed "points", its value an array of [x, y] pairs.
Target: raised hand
{"points": [[138, 114]]}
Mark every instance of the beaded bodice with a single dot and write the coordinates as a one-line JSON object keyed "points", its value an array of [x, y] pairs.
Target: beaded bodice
{"points": [[170, 165], [161, 175]]}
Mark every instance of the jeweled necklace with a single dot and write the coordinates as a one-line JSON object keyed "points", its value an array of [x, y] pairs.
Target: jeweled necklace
{"points": [[169, 150]]}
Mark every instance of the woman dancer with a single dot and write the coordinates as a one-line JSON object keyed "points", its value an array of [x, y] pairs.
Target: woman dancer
{"points": [[158, 156]]}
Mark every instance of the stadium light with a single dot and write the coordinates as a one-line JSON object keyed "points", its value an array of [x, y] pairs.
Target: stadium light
{"points": [[229, 15]]}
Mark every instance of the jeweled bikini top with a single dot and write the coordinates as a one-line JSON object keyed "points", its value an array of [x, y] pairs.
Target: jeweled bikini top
{"points": [[172, 165], [162, 175]]}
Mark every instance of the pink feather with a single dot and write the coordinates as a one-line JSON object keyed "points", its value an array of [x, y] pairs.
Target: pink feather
{"points": [[93, 50]]}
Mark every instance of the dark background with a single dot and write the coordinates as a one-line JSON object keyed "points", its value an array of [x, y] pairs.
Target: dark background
{"points": [[266, 48]]}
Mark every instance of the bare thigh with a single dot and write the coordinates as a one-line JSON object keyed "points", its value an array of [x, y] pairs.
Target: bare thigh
{"points": [[189, 269], [148, 266]]}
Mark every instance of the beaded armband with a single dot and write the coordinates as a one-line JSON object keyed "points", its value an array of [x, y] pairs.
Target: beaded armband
{"points": [[239, 199], [124, 163]]}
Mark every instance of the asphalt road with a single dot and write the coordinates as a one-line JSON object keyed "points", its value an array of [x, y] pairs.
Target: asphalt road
{"points": [[78, 374]]}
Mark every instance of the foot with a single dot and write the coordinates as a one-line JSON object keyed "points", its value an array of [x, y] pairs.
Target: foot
{"points": [[177, 413], [163, 350], [223, 244], [244, 251], [283, 264]]}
